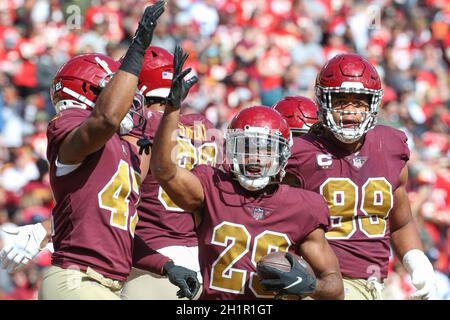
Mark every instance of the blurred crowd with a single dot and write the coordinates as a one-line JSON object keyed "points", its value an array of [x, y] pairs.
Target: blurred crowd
{"points": [[245, 52]]}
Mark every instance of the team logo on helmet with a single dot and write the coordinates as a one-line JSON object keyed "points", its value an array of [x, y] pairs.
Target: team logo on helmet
{"points": [[58, 86]]}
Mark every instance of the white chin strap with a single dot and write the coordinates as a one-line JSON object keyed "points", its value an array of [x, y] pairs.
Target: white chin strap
{"points": [[253, 184]]}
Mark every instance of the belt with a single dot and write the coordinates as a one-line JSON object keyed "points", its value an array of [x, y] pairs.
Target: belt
{"points": [[107, 282], [375, 287]]}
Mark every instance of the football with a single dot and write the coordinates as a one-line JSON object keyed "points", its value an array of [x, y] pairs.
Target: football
{"points": [[278, 261]]}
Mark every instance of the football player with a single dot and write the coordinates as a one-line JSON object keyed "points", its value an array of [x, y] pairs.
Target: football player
{"points": [[299, 112], [240, 217], [94, 174], [360, 169], [31, 239], [162, 226]]}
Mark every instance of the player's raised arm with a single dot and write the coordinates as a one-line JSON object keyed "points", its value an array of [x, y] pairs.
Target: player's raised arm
{"points": [[115, 99], [182, 186]]}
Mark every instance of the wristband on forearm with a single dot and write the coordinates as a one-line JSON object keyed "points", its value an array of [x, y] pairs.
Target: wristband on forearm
{"points": [[132, 62]]}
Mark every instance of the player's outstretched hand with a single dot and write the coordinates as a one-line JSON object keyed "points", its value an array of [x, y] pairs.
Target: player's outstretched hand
{"points": [[25, 244], [180, 87], [144, 32], [132, 62]]}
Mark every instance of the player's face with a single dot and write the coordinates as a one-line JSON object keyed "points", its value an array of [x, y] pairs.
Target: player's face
{"points": [[256, 163], [258, 156], [349, 109]]}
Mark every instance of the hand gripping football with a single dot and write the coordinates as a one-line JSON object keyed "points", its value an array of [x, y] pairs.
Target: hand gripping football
{"points": [[279, 272]]}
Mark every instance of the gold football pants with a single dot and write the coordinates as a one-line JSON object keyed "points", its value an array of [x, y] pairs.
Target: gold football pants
{"points": [[73, 284], [363, 289]]}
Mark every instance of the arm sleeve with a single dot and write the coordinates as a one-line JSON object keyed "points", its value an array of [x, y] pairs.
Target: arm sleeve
{"points": [[203, 174], [405, 153], [318, 214], [146, 258], [292, 167], [60, 126], [396, 144]]}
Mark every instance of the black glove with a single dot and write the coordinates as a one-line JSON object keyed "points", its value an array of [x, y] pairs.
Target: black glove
{"points": [[297, 281], [132, 62], [183, 278], [144, 32], [180, 88], [187, 85]]}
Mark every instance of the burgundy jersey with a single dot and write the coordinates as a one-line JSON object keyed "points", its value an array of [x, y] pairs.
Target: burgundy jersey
{"points": [[239, 227], [95, 213], [295, 146], [161, 222], [359, 189]]}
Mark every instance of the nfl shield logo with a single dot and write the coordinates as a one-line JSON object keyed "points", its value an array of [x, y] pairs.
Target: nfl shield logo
{"points": [[359, 161], [259, 213]]}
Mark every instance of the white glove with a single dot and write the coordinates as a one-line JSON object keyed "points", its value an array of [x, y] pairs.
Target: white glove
{"points": [[25, 244], [422, 274]]}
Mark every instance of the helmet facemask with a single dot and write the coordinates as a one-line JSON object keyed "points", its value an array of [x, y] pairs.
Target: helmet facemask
{"points": [[255, 156], [326, 110]]}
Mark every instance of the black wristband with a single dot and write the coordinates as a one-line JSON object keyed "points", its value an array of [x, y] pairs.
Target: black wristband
{"points": [[132, 62]]}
